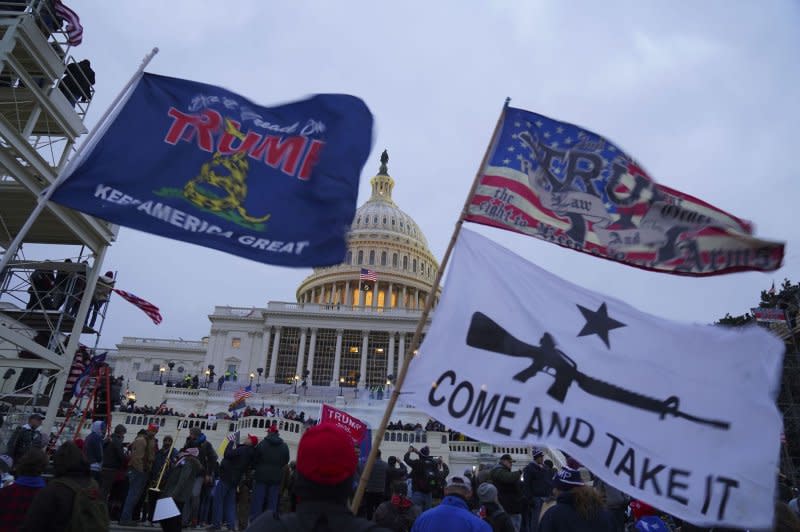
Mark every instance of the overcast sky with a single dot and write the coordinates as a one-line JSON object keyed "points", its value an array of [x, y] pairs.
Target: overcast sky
{"points": [[704, 95]]}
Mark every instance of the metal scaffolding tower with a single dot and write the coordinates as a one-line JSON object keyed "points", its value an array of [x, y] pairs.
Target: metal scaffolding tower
{"points": [[43, 304]]}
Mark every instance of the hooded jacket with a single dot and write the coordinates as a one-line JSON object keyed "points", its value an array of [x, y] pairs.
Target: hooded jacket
{"points": [[452, 514], [271, 456], [93, 446], [23, 439]]}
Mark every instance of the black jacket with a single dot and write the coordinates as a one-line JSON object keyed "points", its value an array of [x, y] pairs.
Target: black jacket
{"points": [[563, 517], [271, 456], [113, 453], [537, 480], [235, 463], [22, 440]]}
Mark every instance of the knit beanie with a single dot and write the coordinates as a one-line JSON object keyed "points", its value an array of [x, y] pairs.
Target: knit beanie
{"points": [[326, 463], [487, 493]]}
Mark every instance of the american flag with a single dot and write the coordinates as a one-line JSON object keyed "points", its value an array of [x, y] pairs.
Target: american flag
{"points": [[74, 27], [368, 275], [161, 408], [148, 308], [243, 393]]}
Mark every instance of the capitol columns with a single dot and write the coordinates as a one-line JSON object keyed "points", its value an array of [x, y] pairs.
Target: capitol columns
{"points": [[312, 348], [375, 295], [347, 297], [301, 352], [273, 362], [387, 301], [363, 367], [337, 358], [403, 300], [264, 349], [401, 355], [390, 356]]}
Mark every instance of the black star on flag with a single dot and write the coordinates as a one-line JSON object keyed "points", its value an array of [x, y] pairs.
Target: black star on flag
{"points": [[598, 322]]}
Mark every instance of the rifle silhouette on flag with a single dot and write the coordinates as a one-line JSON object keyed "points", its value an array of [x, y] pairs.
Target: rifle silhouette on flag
{"points": [[484, 333]]}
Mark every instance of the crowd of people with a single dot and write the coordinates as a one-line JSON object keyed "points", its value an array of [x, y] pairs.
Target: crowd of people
{"points": [[252, 484]]}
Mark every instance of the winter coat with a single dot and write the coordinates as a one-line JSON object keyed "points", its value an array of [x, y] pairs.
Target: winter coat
{"points": [[419, 468], [181, 478], [114, 453], [537, 480], [271, 455], [497, 518], [15, 501], [51, 508], [563, 517], [397, 515], [377, 478], [22, 440], [208, 456], [452, 514], [143, 451], [235, 463], [158, 462], [93, 449], [509, 489]]}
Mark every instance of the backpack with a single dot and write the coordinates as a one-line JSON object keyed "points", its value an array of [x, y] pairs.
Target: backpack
{"points": [[89, 510], [493, 519], [429, 477]]}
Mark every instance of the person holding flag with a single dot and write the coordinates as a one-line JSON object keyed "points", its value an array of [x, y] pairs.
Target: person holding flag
{"points": [[235, 462]]}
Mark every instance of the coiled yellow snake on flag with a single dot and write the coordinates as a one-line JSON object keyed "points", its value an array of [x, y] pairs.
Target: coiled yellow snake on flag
{"points": [[233, 183]]}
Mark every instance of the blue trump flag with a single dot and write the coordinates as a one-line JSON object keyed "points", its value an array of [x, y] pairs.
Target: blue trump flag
{"points": [[199, 163]]}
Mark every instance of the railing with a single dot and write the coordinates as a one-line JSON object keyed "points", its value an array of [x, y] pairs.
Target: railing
{"points": [[406, 436], [464, 447], [340, 309], [129, 341]]}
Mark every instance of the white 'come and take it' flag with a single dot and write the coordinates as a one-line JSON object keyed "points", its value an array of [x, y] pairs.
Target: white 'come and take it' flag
{"points": [[681, 416]]}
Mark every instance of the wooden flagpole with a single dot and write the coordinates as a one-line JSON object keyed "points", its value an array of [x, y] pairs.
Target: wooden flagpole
{"points": [[378, 438]]}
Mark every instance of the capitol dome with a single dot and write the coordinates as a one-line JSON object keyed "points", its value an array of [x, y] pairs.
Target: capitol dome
{"points": [[386, 241]]}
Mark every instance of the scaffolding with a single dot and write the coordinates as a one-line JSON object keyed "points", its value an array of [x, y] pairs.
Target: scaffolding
{"points": [[44, 305]]}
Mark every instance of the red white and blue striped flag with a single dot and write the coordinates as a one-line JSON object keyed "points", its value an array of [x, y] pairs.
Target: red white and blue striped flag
{"points": [[368, 275], [243, 393], [74, 28], [148, 308]]}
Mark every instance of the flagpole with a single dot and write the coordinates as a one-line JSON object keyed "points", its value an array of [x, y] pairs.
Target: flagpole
{"points": [[45, 196], [378, 437]]}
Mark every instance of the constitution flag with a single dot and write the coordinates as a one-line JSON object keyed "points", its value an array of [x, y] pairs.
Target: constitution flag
{"points": [[681, 416], [199, 163], [564, 184]]}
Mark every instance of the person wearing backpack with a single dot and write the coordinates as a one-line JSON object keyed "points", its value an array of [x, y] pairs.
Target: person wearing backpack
{"points": [[399, 513], [326, 465], [425, 476], [71, 502], [491, 511]]}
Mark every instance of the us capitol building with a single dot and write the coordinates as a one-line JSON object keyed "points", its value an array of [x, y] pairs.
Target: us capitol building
{"points": [[341, 343]]}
